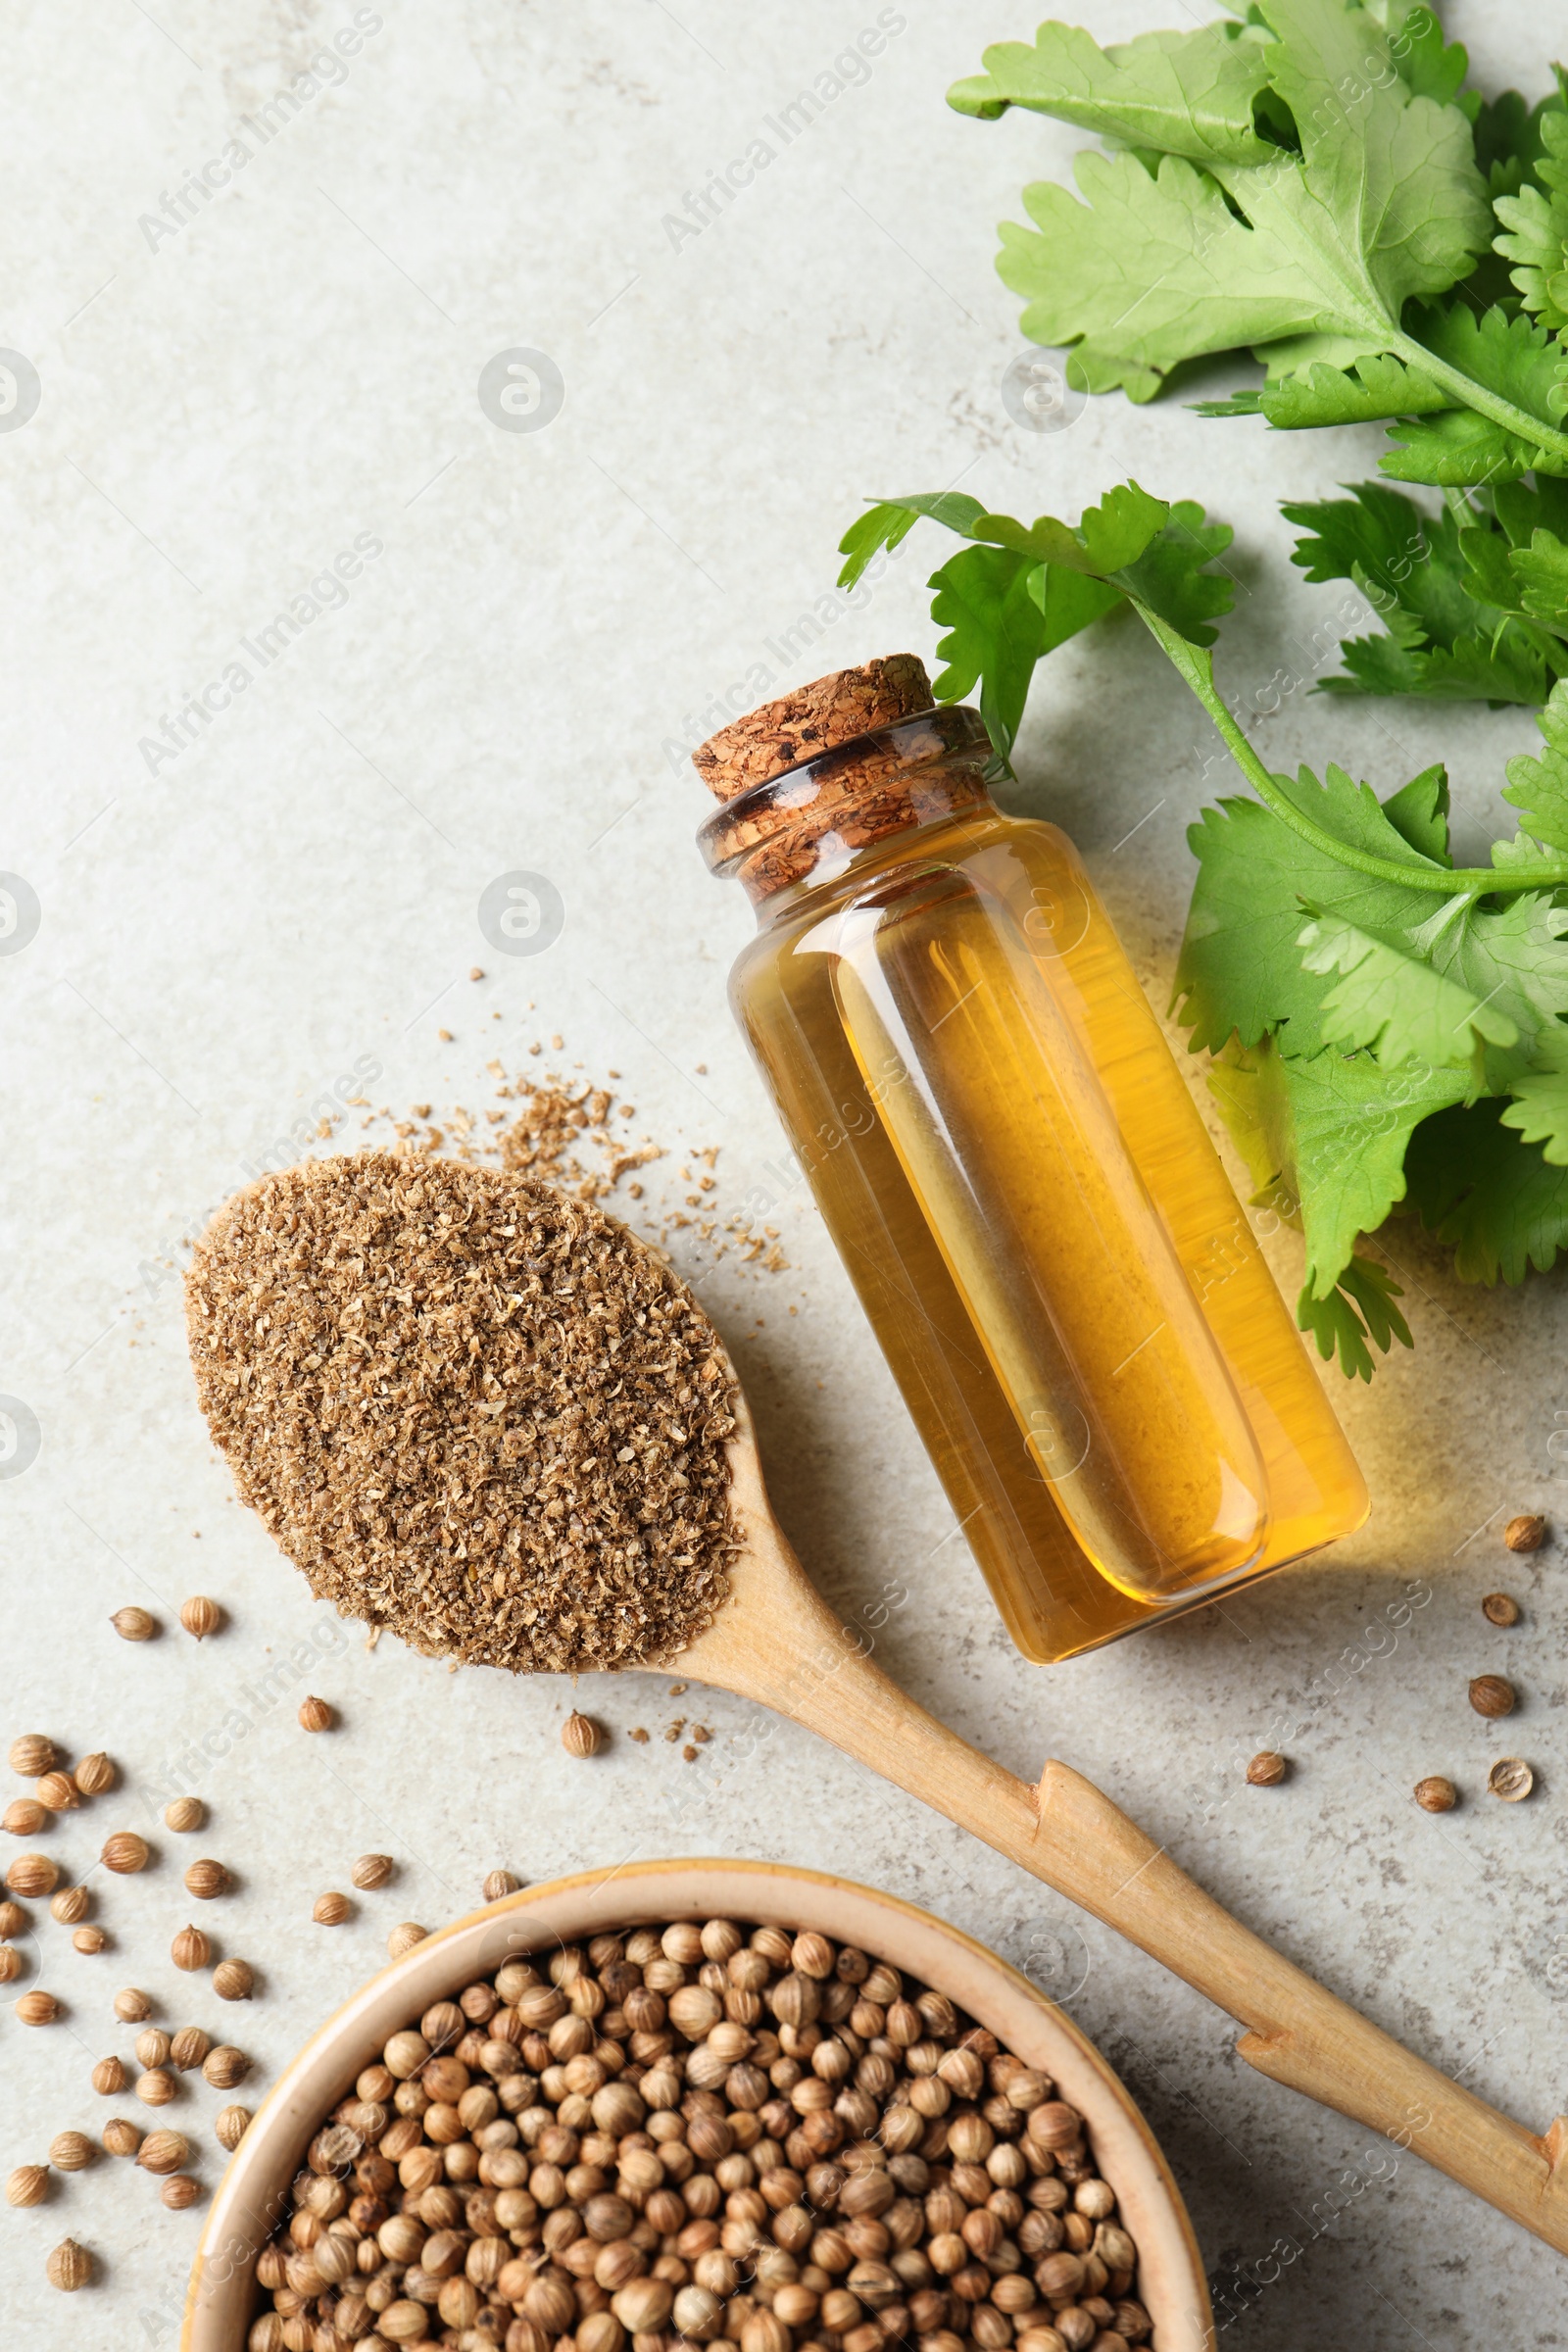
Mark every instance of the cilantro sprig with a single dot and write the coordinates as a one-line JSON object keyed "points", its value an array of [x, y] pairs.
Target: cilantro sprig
{"points": [[1355, 987]]}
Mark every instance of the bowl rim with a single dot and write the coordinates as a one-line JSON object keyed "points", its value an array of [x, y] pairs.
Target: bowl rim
{"points": [[219, 2299]]}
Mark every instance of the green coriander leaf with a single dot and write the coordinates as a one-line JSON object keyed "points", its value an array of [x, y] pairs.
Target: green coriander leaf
{"points": [[1395, 1005], [1538, 1110], [1536, 217], [887, 524], [1350, 1122], [1457, 450], [1542, 572], [1171, 574], [1508, 140], [1538, 788], [1184, 93], [1108, 536], [1427, 65], [1419, 811], [1359, 1307], [1489, 1196], [1375, 387], [1511, 960], [1511, 357], [1002, 611]]}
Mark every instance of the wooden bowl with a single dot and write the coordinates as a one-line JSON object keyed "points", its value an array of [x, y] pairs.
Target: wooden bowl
{"points": [[222, 2298]]}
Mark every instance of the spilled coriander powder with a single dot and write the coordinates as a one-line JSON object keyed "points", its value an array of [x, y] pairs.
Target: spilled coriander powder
{"points": [[470, 1409]]}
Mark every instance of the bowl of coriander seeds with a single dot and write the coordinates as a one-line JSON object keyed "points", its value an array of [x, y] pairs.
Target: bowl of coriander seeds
{"points": [[696, 2104]]}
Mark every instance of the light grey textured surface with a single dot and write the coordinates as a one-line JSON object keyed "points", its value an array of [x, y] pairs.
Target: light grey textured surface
{"points": [[499, 690]]}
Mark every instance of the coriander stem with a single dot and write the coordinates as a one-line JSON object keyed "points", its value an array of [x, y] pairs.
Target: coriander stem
{"points": [[1196, 666], [1485, 403]]}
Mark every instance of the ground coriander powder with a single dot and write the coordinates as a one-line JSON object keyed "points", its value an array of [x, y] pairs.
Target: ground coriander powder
{"points": [[468, 1409]]}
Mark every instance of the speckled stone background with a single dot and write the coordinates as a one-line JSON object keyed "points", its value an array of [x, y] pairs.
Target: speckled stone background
{"points": [[506, 685]]}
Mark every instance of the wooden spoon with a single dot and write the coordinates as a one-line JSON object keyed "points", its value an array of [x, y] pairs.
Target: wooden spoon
{"points": [[777, 1641]]}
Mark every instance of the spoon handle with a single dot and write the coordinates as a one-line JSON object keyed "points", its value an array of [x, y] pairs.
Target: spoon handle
{"points": [[805, 1664]]}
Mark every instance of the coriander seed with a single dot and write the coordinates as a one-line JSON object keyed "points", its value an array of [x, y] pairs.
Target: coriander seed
{"points": [[71, 2151], [36, 2009], [1511, 1778], [58, 1793], [69, 1904], [500, 1883], [109, 2078], [372, 1869], [70, 2266], [29, 2184], [121, 2137], [315, 1715], [25, 1816], [9, 1964], [404, 1938], [190, 2047], [32, 1755], [125, 1853], [133, 1624], [1526, 1532], [580, 1735], [191, 1949], [184, 1813], [152, 2047], [225, 2067], [91, 1939], [230, 2125], [200, 1616], [163, 2152], [12, 1920], [131, 2006], [330, 1910], [1492, 1696], [155, 2087], [179, 2191], [205, 1880], [95, 1774], [1266, 1770], [1500, 1608], [233, 1979]]}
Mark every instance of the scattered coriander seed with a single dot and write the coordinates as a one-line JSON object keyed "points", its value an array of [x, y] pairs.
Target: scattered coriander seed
{"points": [[152, 2047], [1500, 1608], [13, 1919], [70, 2266], [1526, 1532], [58, 1792], [225, 2067], [90, 1940], [163, 2152], [1511, 1778], [580, 1735], [315, 1715], [179, 2191], [37, 2008], [404, 1938], [1266, 1770], [9, 1964], [69, 1904], [29, 2184], [121, 2137], [372, 1869], [184, 1813], [131, 2006], [230, 2125], [133, 1624], [200, 1616], [95, 1774], [191, 1949], [32, 1755], [330, 1910], [109, 2078], [498, 1883], [233, 1979], [71, 2151], [190, 2047], [155, 2087], [125, 1852], [205, 1880], [32, 1874], [1490, 1695], [25, 1816]]}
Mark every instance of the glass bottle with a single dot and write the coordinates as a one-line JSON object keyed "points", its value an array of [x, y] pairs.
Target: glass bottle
{"points": [[1025, 1197]]}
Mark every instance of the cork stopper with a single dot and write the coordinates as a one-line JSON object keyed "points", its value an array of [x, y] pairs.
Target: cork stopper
{"points": [[814, 718]]}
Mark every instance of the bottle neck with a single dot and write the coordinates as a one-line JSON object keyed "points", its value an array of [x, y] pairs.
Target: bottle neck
{"points": [[810, 824]]}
